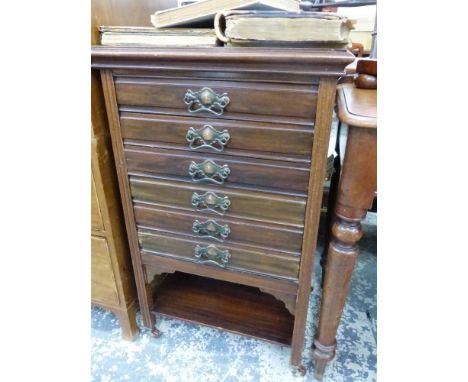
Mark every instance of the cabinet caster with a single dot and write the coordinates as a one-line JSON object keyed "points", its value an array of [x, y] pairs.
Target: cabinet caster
{"points": [[156, 333]]}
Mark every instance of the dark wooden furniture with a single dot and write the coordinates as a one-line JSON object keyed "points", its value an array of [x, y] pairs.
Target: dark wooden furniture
{"points": [[221, 156], [112, 280], [358, 182]]}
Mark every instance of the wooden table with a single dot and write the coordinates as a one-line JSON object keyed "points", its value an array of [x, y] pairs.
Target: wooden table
{"points": [[357, 108]]}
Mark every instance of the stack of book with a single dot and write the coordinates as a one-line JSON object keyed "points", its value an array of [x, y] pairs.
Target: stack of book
{"points": [[236, 23]]}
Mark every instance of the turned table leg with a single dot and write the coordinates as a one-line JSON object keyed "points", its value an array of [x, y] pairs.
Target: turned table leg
{"points": [[334, 181], [355, 195]]}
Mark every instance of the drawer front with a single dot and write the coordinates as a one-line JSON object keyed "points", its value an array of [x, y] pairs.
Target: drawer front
{"points": [[220, 229], [218, 169], [103, 286], [96, 218], [240, 97], [196, 133], [230, 257], [254, 205]]}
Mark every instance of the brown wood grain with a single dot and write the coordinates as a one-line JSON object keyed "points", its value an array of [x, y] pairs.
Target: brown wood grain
{"points": [[219, 73], [327, 89], [232, 307], [124, 12], [243, 257], [257, 172], [358, 182], [256, 136], [242, 154], [289, 300], [357, 107], [109, 250], [359, 176], [273, 236], [290, 99], [160, 264], [290, 61], [106, 206], [112, 113], [367, 66], [103, 284], [236, 117], [250, 98], [96, 217], [254, 205]]}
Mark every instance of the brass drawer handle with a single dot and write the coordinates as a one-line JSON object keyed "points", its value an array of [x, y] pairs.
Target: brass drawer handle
{"points": [[212, 255], [208, 171], [211, 229], [207, 136], [206, 99], [209, 201]]}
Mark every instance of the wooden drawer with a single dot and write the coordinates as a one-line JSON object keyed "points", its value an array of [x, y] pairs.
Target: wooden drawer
{"points": [[246, 171], [244, 97], [256, 205], [96, 217], [255, 136], [103, 286], [279, 237], [242, 258]]}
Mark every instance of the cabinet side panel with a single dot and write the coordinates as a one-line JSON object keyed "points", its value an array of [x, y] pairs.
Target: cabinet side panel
{"points": [[323, 122], [117, 145]]}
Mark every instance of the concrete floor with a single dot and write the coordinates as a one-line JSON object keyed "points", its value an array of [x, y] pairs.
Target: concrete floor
{"points": [[191, 353]]}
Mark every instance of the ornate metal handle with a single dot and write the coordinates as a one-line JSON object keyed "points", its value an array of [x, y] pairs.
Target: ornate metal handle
{"points": [[206, 99], [208, 171], [211, 229], [207, 136], [209, 201], [212, 255]]}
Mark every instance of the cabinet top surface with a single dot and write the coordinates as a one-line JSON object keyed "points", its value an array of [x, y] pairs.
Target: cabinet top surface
{"points": [[325, 61]]}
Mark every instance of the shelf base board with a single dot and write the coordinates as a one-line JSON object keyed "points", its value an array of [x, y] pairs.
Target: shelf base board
{"points": [[232, 307]]}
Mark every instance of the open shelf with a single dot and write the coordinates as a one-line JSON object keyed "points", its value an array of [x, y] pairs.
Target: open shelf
{"points": [[233, 307]]}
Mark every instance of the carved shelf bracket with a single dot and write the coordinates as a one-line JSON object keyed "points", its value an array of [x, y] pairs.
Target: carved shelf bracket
{"points": [[289, 300]]}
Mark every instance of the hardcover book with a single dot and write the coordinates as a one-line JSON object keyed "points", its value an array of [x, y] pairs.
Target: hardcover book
{"points": [[205, 11], [178, 37], [283, 28]]}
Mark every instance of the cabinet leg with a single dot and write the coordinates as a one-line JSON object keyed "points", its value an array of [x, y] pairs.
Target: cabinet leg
{"points": [[341, 258], [302, 370], [127, 320], [156, 332], [151, 318]]}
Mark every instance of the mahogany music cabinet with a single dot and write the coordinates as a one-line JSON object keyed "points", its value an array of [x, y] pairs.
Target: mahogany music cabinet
{"points": [[221, 156]]}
